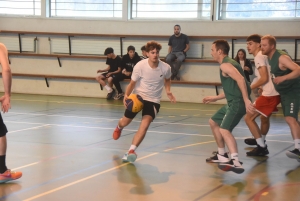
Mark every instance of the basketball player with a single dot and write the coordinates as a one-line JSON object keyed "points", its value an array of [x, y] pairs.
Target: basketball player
{"points": [[237, 92], [5, 174], [264, 104], [148, 78], [286, 80]]}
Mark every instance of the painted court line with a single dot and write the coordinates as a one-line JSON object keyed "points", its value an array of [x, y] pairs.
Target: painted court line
{"points": [[106, 171]]}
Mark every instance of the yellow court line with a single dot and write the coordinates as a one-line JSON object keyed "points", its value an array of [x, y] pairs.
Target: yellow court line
{"points": [[84, 179], [105, 171]]}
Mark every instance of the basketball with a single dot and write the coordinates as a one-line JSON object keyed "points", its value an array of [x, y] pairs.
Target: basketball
{"points": [[134, 103]]}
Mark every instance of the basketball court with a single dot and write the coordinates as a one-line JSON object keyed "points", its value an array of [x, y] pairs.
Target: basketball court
{"points": [[64, 147]]}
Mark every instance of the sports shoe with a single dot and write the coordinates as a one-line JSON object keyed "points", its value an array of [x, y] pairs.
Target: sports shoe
{"points": [[218, 158], [110, 95], [258, 151], [9, 175], [130, 156], [232, 165], [295, 154], [117, 133], [251, 141], [119, 96]]}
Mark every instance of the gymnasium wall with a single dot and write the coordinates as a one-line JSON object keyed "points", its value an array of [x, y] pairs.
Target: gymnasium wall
{"points": [[189, 72]]}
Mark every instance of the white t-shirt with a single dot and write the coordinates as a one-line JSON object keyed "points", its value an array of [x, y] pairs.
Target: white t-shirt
{"points": [[150, 81], [268, 88]]}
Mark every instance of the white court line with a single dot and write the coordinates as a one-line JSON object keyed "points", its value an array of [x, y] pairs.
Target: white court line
{"points": [[28, 128]]}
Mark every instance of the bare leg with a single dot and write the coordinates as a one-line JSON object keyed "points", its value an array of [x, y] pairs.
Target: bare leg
{"points": [[140, 134], [216, 131], [294, 126], [101, 80], [252, 125], [229, 140], [264, 124], [3, 145]]}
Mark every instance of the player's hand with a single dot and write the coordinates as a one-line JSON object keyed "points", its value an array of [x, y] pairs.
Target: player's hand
{"points": [[209, 99], [171, 97], [279, 79], [124, 100], [5, 103], [249, 107], [108, 74]]}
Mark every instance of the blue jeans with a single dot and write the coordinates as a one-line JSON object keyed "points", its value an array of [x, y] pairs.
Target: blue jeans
{"points": [[170, 59]]}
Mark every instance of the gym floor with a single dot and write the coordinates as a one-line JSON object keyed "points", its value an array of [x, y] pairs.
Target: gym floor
{"points": [[64, 147]]}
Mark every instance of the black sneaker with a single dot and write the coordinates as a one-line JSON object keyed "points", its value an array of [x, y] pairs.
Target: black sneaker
{"points": [[232, 165], [110, 95], [258, 151], [218, 158], [295, 154], [251, 141]]}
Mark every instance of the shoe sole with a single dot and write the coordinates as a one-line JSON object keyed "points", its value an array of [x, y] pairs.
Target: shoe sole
{"points": [[131, 158], [264, 154], [228, 168], [293, 156], [216, 161]]}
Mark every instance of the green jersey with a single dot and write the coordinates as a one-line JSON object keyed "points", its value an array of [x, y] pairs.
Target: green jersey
{"points": [[288, 85], [230, 86]]}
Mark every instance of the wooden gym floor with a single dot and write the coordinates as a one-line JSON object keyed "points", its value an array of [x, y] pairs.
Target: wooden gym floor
{"points": [[64, 147]]}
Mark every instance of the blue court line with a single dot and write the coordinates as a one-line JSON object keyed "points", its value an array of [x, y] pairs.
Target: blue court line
{"points": [[80, 171]]}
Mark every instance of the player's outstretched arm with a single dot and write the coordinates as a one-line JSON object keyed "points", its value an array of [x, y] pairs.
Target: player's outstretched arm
{"points": [[168, 90], [128, 91]]}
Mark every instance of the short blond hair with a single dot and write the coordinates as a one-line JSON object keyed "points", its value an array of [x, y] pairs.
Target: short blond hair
{"points": [[271, 39]]}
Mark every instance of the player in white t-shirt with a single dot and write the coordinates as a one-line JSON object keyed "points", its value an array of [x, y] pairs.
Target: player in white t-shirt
{"points": [[264, 104], [148, 79]]}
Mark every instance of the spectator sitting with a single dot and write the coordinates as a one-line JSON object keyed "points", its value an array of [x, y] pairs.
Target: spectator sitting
{"points": [[144, 53], [113, 70], [178, 46], [245, 63], [128, 62]]}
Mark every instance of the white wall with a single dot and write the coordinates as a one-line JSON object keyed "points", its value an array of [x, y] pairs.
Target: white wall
{"points": [[190, 71]]}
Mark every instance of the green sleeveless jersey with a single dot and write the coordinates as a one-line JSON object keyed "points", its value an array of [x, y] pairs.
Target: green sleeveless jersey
{"points": [[230, 86], [288, 85]]}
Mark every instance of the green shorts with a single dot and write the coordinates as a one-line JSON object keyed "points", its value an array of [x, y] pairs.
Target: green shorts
{"points": [[290, 104], [229, 115]]}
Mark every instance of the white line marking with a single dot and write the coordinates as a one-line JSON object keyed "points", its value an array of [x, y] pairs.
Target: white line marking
{"points": [[28, 128]]}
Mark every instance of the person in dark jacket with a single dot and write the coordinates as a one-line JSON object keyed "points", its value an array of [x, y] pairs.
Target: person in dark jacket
{"points": [[244, 62], [128, 62]]}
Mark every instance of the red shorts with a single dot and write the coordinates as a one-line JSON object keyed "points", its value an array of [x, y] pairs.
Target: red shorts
{"points": [[265, 105]]}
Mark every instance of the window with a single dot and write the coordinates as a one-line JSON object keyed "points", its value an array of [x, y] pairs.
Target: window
{"points": [[86, 8], [20, 7], [245, 9], [173, 9]]}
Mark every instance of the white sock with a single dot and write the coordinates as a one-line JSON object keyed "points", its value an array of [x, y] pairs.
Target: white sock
{"points": [[263, 137], [260, 142], [297, 143], [108, 88], [235, 156], [221, 151], [132, 147], [119, 127]]}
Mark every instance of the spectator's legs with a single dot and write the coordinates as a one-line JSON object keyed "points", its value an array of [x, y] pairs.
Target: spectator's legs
{"points": [[170, 60], [116, 81], [180, 57]]}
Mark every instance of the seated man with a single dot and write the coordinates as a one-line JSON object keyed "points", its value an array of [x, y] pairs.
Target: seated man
{"points": [[128, 62], [113, 70], [178, 46]]}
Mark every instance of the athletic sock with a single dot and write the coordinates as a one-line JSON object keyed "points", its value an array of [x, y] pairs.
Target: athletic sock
{"points": [[108, 88], [132, 147], [297, 143], [263, 137], [221, 151], [3, 167], [119, 127], [235, 156], [260, 142]]}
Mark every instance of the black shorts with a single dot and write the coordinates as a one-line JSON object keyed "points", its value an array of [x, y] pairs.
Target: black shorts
{"points": [[3, 129], [149, 108]]}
